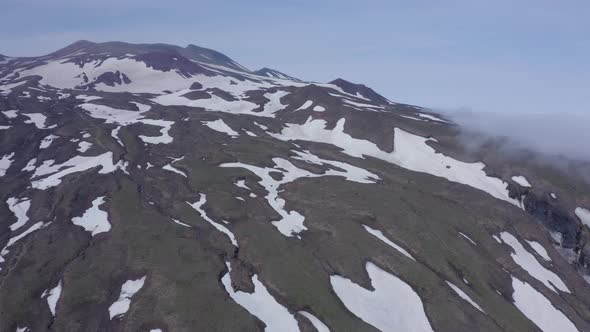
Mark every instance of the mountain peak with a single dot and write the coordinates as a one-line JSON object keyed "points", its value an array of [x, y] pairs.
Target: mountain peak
{"points": [[269, 72], [359, 89]]}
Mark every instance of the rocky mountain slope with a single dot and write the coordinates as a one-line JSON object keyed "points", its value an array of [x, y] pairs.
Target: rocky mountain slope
{"points": [[161, 188]]}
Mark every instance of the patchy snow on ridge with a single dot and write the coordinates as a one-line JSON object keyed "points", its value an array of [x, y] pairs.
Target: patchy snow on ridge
{"points": [[530, 264], [171, 168], [464, 296], [522, 181], [539, 309], [16, 238], [318, 324], [128, 290], [410, 152], [52, 296], [378, 234], [199, 207], [75, 164], [582, 213], [123, 117], [94, 220], [20, 209], [291, 222], [262, 304], [220, 126], [392, 306]]}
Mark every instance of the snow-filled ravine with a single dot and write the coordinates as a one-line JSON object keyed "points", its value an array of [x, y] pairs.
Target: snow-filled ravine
{"points": [[410, 152], [291, 222], [392, 306]]}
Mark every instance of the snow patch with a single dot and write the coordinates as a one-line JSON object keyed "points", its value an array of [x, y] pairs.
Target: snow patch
{"points": [[46, 142], [5, 163], [52, 296], [522, 181], [94, 220], [392, 306], [582, 213], [19, 209], [38, 120], [305, 105], [128, 290], [539, 309], [220, 126]]}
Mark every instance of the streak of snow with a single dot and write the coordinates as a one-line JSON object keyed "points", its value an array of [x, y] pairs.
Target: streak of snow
{"points": [[171, 168], [392, 306], [75, 164], [410, 152], [181, 223], [540, 250], [468, 238], [464, 296], [539, 309], [378, 234], [15, 239], [128, 290], [262, 304], [94, 220], [530, 264], [199, 207], [319, 108]]}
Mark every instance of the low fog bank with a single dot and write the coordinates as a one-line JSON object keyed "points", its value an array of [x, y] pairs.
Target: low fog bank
{"points": [[554, 135]]}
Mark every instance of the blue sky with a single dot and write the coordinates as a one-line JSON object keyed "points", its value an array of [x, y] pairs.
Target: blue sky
{"points": [[501, 56]]}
